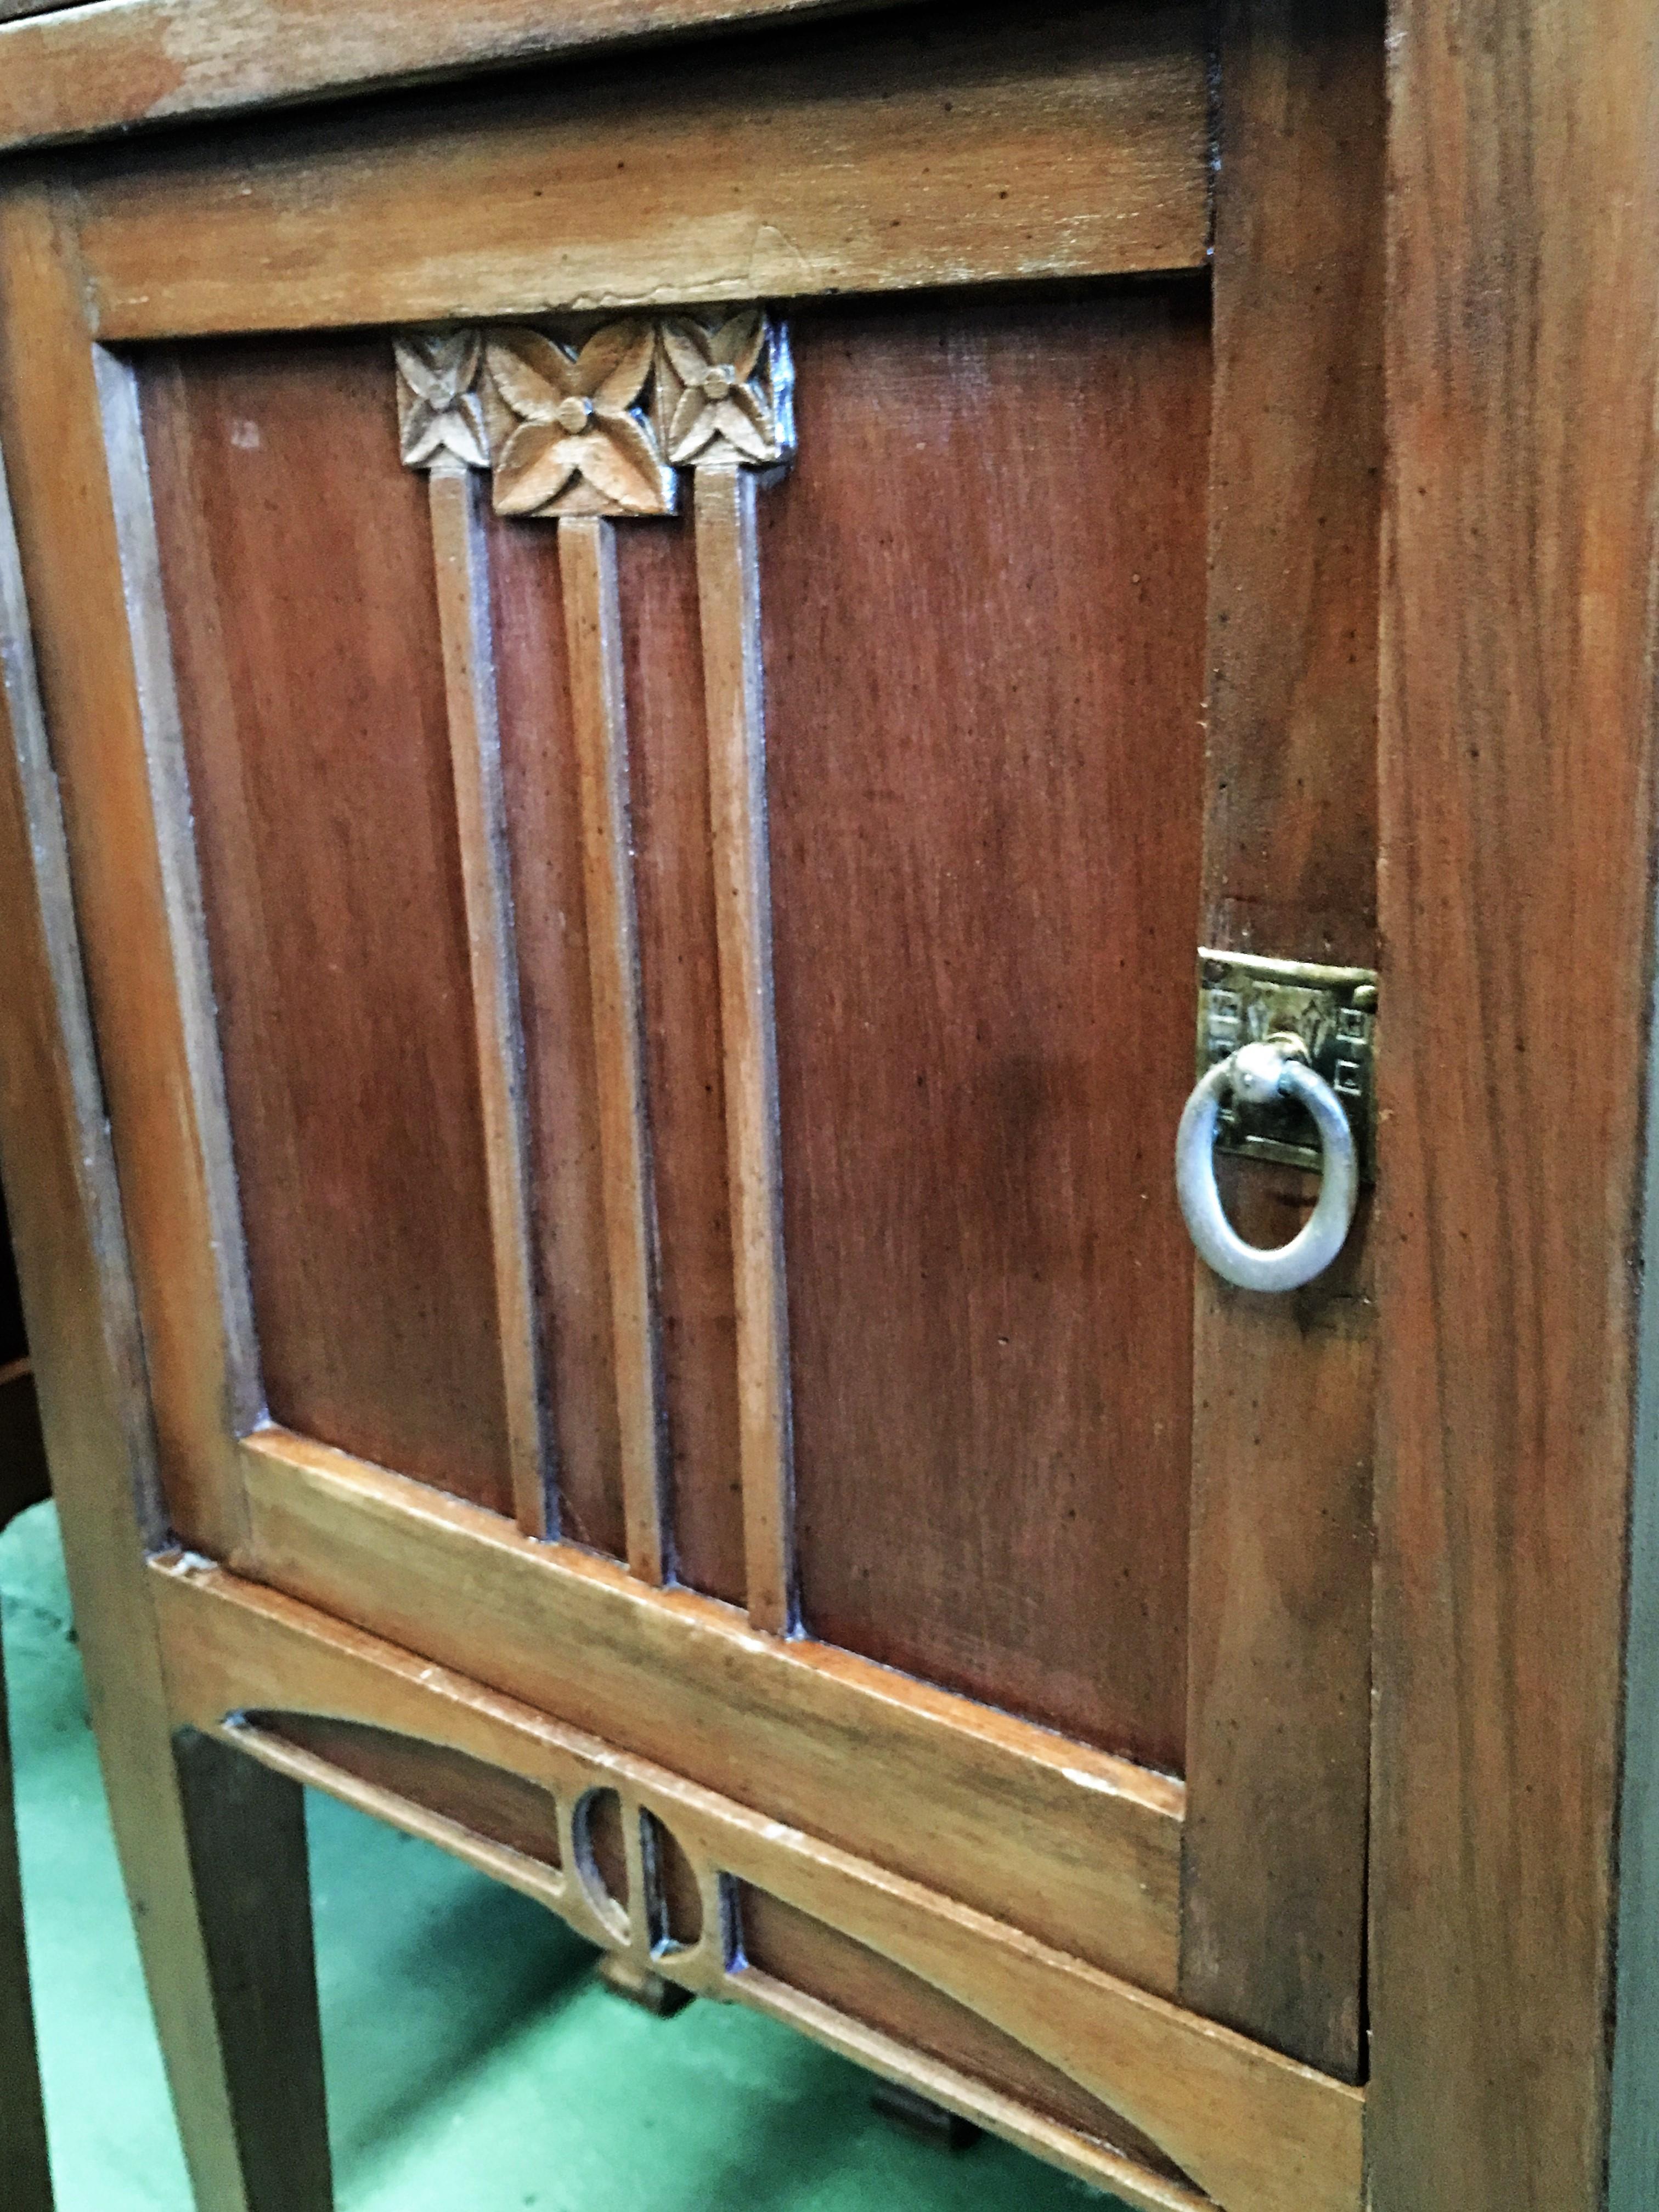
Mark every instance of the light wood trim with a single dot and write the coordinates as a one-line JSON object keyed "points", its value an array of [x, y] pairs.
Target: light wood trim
{"points": [[462, 560], [1071, 146], [95, 69], [1258, 2132], [1048, 2139], [1283, 1411], [587, 568], [181, 881], [728, 587], [89, 1359], [1084, 1847], [1518, 786], [84, 528]]}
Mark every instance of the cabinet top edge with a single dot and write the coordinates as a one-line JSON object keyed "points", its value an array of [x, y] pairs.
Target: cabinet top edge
{"points": [[69, 75]]}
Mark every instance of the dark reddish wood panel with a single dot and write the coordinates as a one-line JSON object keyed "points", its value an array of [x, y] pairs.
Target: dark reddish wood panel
{"points": [[503, 1808], [806, 1955], [297, 561], [543, 820], [674, 895], [984, 592], [674, 887]]}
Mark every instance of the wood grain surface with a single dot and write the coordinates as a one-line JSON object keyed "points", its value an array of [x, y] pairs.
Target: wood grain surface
{"points": [[150, 61], [544, 850], [728, 589], [983, 768], [900, 155], [66, 1220], [501, 1806], [1083, 1847], [1517, 780], [461, 564], [674, 887], [805, 1955], [1256, 2131], [598, 714], [311, 692], [1273, 1883], [71, 540]]}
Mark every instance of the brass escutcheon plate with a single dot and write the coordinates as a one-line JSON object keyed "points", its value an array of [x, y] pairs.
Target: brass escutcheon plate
{"points": [[1242, 998]]}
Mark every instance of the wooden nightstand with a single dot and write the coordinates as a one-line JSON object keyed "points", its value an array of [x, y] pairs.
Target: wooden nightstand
{"points": [[679, 694]]}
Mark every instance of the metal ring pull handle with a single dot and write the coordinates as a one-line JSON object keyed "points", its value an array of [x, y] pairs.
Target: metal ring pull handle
{"points": [[1256, 1073]]}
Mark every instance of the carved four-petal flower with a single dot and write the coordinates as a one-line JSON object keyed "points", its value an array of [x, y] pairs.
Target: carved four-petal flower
{"points": [[723, 391], [565, 428], [440, 414]]}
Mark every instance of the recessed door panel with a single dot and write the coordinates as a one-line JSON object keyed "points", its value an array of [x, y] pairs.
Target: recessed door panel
{"points": [[983, 588]]}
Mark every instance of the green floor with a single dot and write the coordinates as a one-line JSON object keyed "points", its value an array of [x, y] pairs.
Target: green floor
{"points": [[473, 2063]]}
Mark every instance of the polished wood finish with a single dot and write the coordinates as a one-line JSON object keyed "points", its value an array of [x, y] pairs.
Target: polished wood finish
{"points": [[728, 583], [51, 432], [150, 61], [1517, 775], [674, 884], [245, 1827], [1047, 1524], [1279, 1723], [1089, 1860], [542, 789], [808, 1957], [1074, 144], [252, 2121], [1195, 2090], [983, 906], [316, 725], [587, 565], [490, 1801], [461, 559]]}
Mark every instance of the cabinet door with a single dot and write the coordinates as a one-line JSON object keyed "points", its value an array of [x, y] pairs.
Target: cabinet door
{"points": [[628, 659]]}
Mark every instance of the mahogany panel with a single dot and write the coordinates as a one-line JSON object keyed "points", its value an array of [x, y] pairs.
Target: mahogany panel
{"points": [[544, 833], [297, 564], [809, 1955], [674, 888], [489, 1801], [673, 883], [984, 592]]}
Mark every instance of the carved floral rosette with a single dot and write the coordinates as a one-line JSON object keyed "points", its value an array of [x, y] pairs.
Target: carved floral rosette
{"points": [[601, 427]]}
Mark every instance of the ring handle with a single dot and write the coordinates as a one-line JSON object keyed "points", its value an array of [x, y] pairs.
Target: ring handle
{"points": [[1256, 1073]]}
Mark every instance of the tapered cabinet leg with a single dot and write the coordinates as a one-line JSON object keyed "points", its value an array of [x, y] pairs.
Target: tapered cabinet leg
{"points": [[214, 1853], [28, 2183], [212, 1847], [245, 1844]]}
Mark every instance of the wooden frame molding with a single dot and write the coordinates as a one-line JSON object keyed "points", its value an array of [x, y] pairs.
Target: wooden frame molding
{"points": [[1279, 1711], [462, 562], [583, 433], [1512, 2068], [95, 69], [728, 585], [1256, 2132], [588, 566], [978, 1805], [1074, 145], [248, 2140]]}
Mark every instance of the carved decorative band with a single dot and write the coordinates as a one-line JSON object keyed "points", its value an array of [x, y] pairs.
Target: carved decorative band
{"points": [[601, 427]]}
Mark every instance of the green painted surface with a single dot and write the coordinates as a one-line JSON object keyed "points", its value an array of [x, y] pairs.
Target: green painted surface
{"points": [[474, 2065]]}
